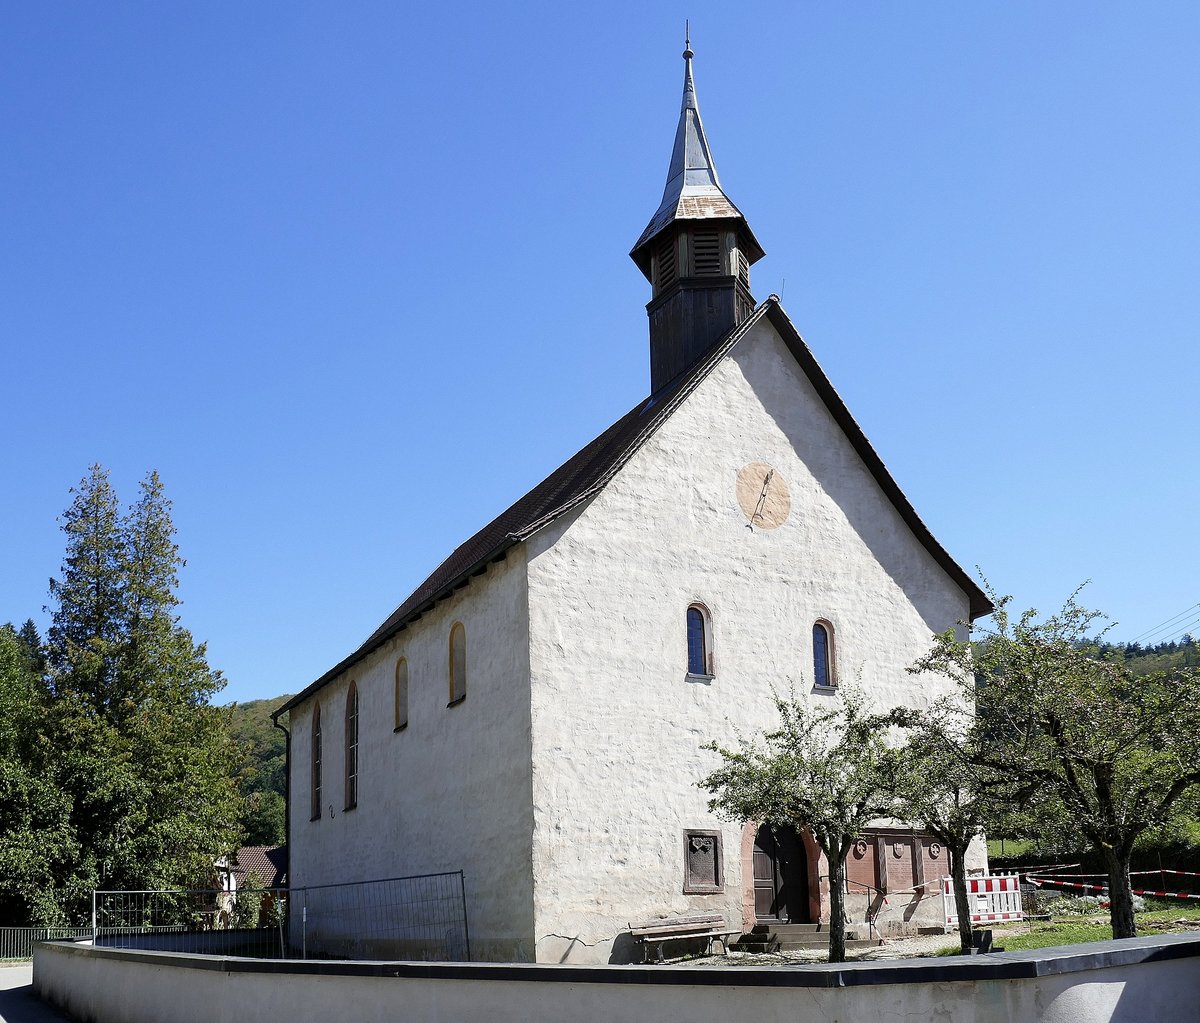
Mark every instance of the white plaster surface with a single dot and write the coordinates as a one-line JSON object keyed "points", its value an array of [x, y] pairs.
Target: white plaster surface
{"points": [[564, 784], [129, 989], [449, 792], [617, 725]]}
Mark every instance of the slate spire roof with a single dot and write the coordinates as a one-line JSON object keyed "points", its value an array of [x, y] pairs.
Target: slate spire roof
{"points": [[693, 190]]}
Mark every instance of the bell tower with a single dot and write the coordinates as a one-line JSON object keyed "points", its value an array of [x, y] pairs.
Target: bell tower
{"points": [[696, 252]]}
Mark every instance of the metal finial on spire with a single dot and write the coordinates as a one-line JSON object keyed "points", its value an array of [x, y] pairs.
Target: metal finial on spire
{"points": [[693, 190]]}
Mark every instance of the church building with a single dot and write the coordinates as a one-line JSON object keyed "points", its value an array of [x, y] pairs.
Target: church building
{"points": [[533, 714]]}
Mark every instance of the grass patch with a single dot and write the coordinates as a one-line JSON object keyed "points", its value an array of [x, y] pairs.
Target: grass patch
{"points": [[1004, 848], [1072, 930]]}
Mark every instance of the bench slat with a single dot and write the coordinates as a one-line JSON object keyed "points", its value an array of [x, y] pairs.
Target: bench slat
{"points": [[658, 932]]}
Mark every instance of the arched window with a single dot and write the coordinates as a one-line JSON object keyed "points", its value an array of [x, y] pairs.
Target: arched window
{"points": [[315, 746], [458, 664], [401, 694], [824, 673], [352, 747], [699, 641]]}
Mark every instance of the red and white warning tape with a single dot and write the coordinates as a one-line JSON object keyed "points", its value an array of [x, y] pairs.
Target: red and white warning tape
{"points": [[1132, 873], [1039, 881]]}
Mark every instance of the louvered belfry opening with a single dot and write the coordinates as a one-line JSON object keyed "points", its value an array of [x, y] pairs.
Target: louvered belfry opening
{"points": [[701, 279], [706, 253], [665, 262]]}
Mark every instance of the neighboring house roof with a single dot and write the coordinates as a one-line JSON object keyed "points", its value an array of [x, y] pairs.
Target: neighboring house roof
{"points": [[268, 862], [588, 471]]}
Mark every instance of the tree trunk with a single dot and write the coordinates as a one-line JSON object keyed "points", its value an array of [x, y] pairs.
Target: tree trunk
{"points": [[837, 901], [1120, 893], [958, 874]]}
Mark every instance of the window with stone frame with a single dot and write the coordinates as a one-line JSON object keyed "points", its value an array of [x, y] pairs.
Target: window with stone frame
{"points": [[824, 664], [699, 642], [703, 867]]}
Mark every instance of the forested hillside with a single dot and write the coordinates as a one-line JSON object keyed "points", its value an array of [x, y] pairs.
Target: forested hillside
{"points": [[1181, 653], [262, 750]]}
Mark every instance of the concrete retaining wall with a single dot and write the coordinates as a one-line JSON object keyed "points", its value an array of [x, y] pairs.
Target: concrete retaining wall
{"points": [[1133, 980]]}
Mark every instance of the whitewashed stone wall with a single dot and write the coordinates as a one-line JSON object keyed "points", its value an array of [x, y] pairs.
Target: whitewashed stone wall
{"points": [[449, 792], [617, 725]]}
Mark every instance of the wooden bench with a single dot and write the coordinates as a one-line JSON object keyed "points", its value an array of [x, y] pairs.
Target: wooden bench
{"points": [[656, 932]]}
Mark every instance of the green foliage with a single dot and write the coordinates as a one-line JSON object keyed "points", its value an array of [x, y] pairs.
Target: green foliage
{"points": [[260, 769], [1098, 751], [829, 770], [36, 837], [115, 771]]}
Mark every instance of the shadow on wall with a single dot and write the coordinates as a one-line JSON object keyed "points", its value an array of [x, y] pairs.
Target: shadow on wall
{"points": [[839, 471]]}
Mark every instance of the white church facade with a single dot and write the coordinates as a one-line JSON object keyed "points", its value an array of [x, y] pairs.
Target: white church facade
{"points": [[534, 714]]}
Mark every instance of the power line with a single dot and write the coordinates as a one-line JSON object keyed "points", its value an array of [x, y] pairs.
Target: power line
{"points": [[1182, 614]]}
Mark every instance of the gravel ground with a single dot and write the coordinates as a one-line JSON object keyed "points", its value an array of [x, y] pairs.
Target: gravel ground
{"points": [[893, 948]]}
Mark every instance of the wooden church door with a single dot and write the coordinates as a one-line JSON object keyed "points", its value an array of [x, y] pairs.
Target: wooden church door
{"points": [[780, 876]]}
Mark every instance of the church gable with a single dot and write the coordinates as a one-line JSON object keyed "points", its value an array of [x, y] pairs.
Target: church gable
{"points": [[752, 487], [745, 547]]}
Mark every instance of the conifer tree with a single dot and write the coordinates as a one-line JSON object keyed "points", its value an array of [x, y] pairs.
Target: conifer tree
{"points": [[143, 757]]}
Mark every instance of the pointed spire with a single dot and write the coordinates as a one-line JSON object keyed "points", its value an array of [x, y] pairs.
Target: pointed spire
{"points": [[691, 159], [693, 190]]}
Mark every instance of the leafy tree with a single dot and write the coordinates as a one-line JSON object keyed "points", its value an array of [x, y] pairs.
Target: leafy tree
{"points": [[827, 769], [951, 791], [36, 837], [1096, 745], [144, 759]]}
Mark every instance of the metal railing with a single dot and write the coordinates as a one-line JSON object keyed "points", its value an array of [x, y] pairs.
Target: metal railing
{"points": [[249, 922], [18, 942], [420, 917]]}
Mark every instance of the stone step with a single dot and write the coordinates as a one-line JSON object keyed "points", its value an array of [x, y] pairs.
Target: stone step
{"points": [[787, 930]]}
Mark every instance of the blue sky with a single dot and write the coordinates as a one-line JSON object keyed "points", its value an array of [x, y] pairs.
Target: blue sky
{"points": [[353, 277]]}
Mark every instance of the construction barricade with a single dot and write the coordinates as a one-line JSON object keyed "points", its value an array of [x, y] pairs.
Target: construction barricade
{"points": [[992, 899]]}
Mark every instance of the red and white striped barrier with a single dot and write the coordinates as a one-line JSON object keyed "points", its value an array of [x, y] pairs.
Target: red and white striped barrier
{"points": [[991, 899], [1039, 881]]}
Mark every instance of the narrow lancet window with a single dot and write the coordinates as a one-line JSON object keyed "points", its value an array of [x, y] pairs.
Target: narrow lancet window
{"points": [[316, 762], [458, 663], [823, 674], [352, 747], [401, 694], [699, 645]]}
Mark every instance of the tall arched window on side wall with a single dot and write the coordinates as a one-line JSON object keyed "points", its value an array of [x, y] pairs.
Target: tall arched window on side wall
{"points": [[352, 747], [315, 746], [824, 671], [401, 694], [458, 664], [699, 641]]}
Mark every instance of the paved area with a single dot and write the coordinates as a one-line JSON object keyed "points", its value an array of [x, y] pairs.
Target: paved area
{"points": [[18, 1003], [894, 948]]}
